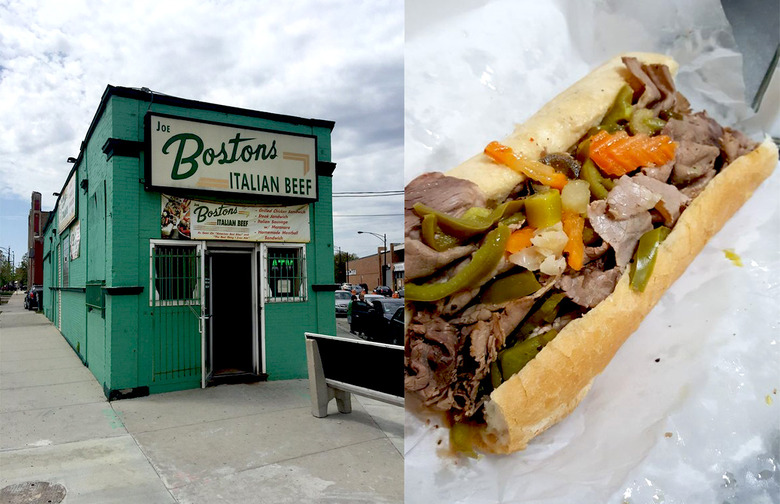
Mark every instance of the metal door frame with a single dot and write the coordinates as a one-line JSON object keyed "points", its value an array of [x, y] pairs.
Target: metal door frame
{"points": [[258, 320]]}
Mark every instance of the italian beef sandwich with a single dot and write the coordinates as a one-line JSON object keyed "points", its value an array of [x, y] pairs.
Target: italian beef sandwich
{"points": [[530, 264]]}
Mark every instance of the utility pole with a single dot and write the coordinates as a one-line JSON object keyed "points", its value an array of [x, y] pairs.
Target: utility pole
{"points": [[383, 237]]}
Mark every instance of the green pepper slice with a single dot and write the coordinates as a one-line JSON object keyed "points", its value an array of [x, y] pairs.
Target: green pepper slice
{"points": [[460, 439], [482, 263], [515, 358], [511, 287], [495, 375], [545, 314], [644, 257], [465, 227], [434, 237], [515, 218], [476, 214], [620, 111], [599, 185], [644, 121], [543, 209]]}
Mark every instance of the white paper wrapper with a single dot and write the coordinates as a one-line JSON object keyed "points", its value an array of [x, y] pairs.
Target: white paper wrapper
{"points": [[702, 423]]}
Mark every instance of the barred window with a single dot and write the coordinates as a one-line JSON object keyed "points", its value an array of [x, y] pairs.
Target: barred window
{"points": [[174, 275], [286, 274]]}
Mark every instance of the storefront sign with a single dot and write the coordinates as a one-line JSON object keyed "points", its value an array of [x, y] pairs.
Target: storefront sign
{"points": [[202, 156], [66, 208], [205, 220]]}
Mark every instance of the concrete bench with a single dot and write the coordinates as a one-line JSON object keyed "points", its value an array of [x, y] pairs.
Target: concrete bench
{"points": [[340, 366]]}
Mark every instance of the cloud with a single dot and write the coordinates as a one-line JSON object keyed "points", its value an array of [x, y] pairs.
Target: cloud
{"points": [[333, 60]]}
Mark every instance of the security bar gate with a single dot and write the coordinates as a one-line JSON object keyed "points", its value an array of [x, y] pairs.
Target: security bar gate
{"points": [[176, 302]]}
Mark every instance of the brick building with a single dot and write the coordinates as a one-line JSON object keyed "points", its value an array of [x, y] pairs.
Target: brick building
{"points": [[35, 222], [368, 269], [191, 244]]}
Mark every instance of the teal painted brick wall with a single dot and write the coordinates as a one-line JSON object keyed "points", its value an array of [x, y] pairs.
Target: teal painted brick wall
{"points": [[119, 218]]}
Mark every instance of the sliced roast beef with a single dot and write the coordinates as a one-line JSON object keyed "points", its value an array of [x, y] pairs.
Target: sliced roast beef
{"points": [[692, 160], [591, 285], [694, 188], [466, 396], [450, 195], [699, 128], [671, 200], [421, 260], [653, 84], [622, 235], [432, 358], [662, 78], [595, 252], [681, 104], [628, 198], [735, 144], [661, 173]]}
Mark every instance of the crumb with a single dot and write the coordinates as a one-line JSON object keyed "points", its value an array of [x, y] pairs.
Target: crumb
{"points": [[774, 391], [436, 426], [668, 434], [531, 139], [733, 257], [768, 399], [427, 421], [438, 442], [658, 359]]}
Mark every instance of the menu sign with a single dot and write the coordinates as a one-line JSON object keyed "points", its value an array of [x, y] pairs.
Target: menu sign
{"points": [[205, 220], [203, 156]]}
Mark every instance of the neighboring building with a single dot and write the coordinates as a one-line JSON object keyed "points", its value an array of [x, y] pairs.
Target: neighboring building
{"points": [[397, 254], [192, 243], [35, 222], [368, 269]]}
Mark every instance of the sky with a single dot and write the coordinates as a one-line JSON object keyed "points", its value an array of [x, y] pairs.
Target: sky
{"points": [[334, 60]]}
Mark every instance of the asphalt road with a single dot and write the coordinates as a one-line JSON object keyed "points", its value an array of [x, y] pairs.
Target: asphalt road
{"points": [[342, 328]]}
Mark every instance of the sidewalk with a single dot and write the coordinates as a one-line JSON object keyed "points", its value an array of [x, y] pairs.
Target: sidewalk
{"points": [[226, 444]]}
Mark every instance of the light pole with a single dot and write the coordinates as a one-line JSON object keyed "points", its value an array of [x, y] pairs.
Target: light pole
{"points": [[382, 237]]}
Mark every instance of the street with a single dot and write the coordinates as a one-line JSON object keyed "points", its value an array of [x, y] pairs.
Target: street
{"points": [[230, 443], [342, 328]]}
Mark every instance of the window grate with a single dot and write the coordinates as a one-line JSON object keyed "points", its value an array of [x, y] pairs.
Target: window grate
{"points": [[286, 274], [174, 278]]}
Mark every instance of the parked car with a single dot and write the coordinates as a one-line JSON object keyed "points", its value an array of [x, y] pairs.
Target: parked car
{"points": [[343, 298], [376, 324], [33, 300], [396, 330], [383, 290]]}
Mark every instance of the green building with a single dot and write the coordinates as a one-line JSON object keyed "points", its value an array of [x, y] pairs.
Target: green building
{"points": [[192, 244]]}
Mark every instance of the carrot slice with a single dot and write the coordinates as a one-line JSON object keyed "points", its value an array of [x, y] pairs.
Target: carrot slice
{"points": [[520, 239], [573, 224], [618, 153], [531, 169]]}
